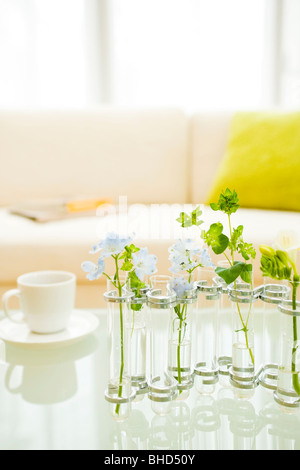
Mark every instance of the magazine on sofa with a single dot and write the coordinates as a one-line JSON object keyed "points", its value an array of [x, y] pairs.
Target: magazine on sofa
{"points": [[49, 211]]}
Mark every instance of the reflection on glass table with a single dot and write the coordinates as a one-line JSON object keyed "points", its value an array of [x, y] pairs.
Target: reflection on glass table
{"points": [[53, 398]]}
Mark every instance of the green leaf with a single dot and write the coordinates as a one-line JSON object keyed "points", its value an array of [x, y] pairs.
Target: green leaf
{"points": [[127, 266], [245, 330], [136, 285], [231, 274], [246, 273], [127, 255], [246, 250], [177, 310], [220, 244], [228, 202], [195, 217], [136, 307], [237, 244], [215, 238], [184, 220], [215, 229], [135, 282], [131, 249], [197, 211], [236, 236], [187, 220], [214, 207]]}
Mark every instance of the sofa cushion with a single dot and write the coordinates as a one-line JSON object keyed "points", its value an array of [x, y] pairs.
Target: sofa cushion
{"points": [[27, 246], [106, 152], [262, 161]]}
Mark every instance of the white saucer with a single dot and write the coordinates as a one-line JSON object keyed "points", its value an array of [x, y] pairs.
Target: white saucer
{"points": [[82, 323]]}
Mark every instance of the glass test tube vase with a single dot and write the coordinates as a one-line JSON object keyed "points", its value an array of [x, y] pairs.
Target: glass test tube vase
{"points": [[272, 296], [180, 343], [224, 329], [162, 385], [242, 372], [206, 332], [287, 394], [119, 392], [138, 342]]}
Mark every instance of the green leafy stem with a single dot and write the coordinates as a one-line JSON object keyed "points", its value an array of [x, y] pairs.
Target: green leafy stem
{"points": [[296, 382], [221, 244], [181, 312], [116, 282], [136, 285], [280, 266]]}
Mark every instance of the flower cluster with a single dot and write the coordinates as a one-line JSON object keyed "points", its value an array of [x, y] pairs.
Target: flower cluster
{"points": [[135, 260], [185, 256], [279, 261], [289, 242], [275, 264], [112, 245]]}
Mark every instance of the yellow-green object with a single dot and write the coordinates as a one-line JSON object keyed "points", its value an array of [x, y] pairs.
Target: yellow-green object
{"points": [[262, 161]]}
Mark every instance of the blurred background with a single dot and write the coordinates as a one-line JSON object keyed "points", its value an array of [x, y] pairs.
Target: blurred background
{"points": [[191, 54], [194, 57]]}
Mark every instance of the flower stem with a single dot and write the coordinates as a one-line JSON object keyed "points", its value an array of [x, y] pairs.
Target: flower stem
{"points": [[178, 354], [182, 318], [119, 287], [245, 328], [296, 383], [245, 325]]}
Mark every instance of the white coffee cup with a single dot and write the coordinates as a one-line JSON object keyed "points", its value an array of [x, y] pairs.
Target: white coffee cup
{"points": [[47, 299]]}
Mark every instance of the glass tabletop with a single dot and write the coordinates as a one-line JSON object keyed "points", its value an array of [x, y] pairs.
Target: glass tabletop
{"points": [[53, 399]]}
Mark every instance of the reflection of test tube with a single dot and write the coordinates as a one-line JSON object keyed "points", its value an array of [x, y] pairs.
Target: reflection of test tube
{"points": [[206, 364], [162, 385], [140, 431], [182, 426], [162, 433], [206, 423], [282, 429], [245, 425]]}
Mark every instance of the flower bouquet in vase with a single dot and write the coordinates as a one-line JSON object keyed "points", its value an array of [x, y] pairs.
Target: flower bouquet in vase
{"points": [[280, 263], [238, 277], [123, 287], [185, 258]]}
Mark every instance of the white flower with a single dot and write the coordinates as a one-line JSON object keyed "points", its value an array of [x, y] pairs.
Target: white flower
{"points": [[185, 248], [94, 271], [289, 242], [182, 254], [181, 285], [182, 264], [112, 245], [205, 260], [144, 263]]}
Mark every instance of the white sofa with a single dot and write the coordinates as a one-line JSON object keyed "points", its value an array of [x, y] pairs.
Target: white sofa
{"points": [[158, 160]]}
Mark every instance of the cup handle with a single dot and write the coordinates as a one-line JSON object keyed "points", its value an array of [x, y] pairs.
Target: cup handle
{"points": [[7, 380], [5, 301]]}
